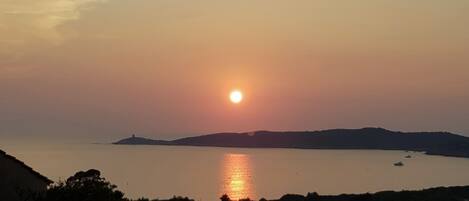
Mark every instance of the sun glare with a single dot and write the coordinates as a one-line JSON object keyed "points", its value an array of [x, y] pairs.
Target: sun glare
{"points": [[236, 96]]}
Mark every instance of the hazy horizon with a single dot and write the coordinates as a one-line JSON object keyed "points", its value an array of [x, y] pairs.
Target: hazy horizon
{"points": [[105, 69]]}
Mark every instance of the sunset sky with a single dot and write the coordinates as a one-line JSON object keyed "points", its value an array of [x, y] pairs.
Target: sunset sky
{"points": [[104, 69]]}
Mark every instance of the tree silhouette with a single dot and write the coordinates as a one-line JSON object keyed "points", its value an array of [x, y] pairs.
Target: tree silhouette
{"points": [[84, 186], [312, 196], [225, 197]]}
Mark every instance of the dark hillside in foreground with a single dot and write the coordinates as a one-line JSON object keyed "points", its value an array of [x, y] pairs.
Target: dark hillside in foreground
{"points": [[432, 194], [433, 143]]}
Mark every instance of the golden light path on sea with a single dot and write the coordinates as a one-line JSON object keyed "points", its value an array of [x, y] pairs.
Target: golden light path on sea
{"points": [[237, 183]]}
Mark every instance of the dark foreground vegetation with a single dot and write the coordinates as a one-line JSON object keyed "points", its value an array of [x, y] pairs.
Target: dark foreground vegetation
{"points": [[90, 186]]}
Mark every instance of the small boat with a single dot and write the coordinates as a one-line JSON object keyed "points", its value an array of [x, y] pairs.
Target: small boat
{"points": [[408, 156], [399, 164]]}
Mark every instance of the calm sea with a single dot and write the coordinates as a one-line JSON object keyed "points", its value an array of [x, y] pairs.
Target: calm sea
{"points": [[204, 173]]}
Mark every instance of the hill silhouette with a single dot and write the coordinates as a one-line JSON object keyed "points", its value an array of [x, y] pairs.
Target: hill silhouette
{"points": [[433, 143]]}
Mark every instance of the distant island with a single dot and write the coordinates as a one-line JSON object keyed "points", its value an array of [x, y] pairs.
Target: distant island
{"points": [[432, 143]]}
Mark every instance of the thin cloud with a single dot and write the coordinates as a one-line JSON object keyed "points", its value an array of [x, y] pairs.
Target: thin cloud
{"points": [[30, 21]]}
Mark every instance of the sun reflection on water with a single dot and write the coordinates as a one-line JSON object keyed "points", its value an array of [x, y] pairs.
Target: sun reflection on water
{"points": [[237, 176]]}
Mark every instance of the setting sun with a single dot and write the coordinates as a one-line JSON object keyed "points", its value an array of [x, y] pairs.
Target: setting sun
{"points": [[218, 100], [236, 96]]}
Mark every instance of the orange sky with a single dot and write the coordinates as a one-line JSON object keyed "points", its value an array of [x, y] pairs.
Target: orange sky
{"points": [[164, 68]]}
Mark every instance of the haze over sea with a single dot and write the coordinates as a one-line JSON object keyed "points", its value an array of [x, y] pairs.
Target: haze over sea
{"points": [[204, 173]]}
